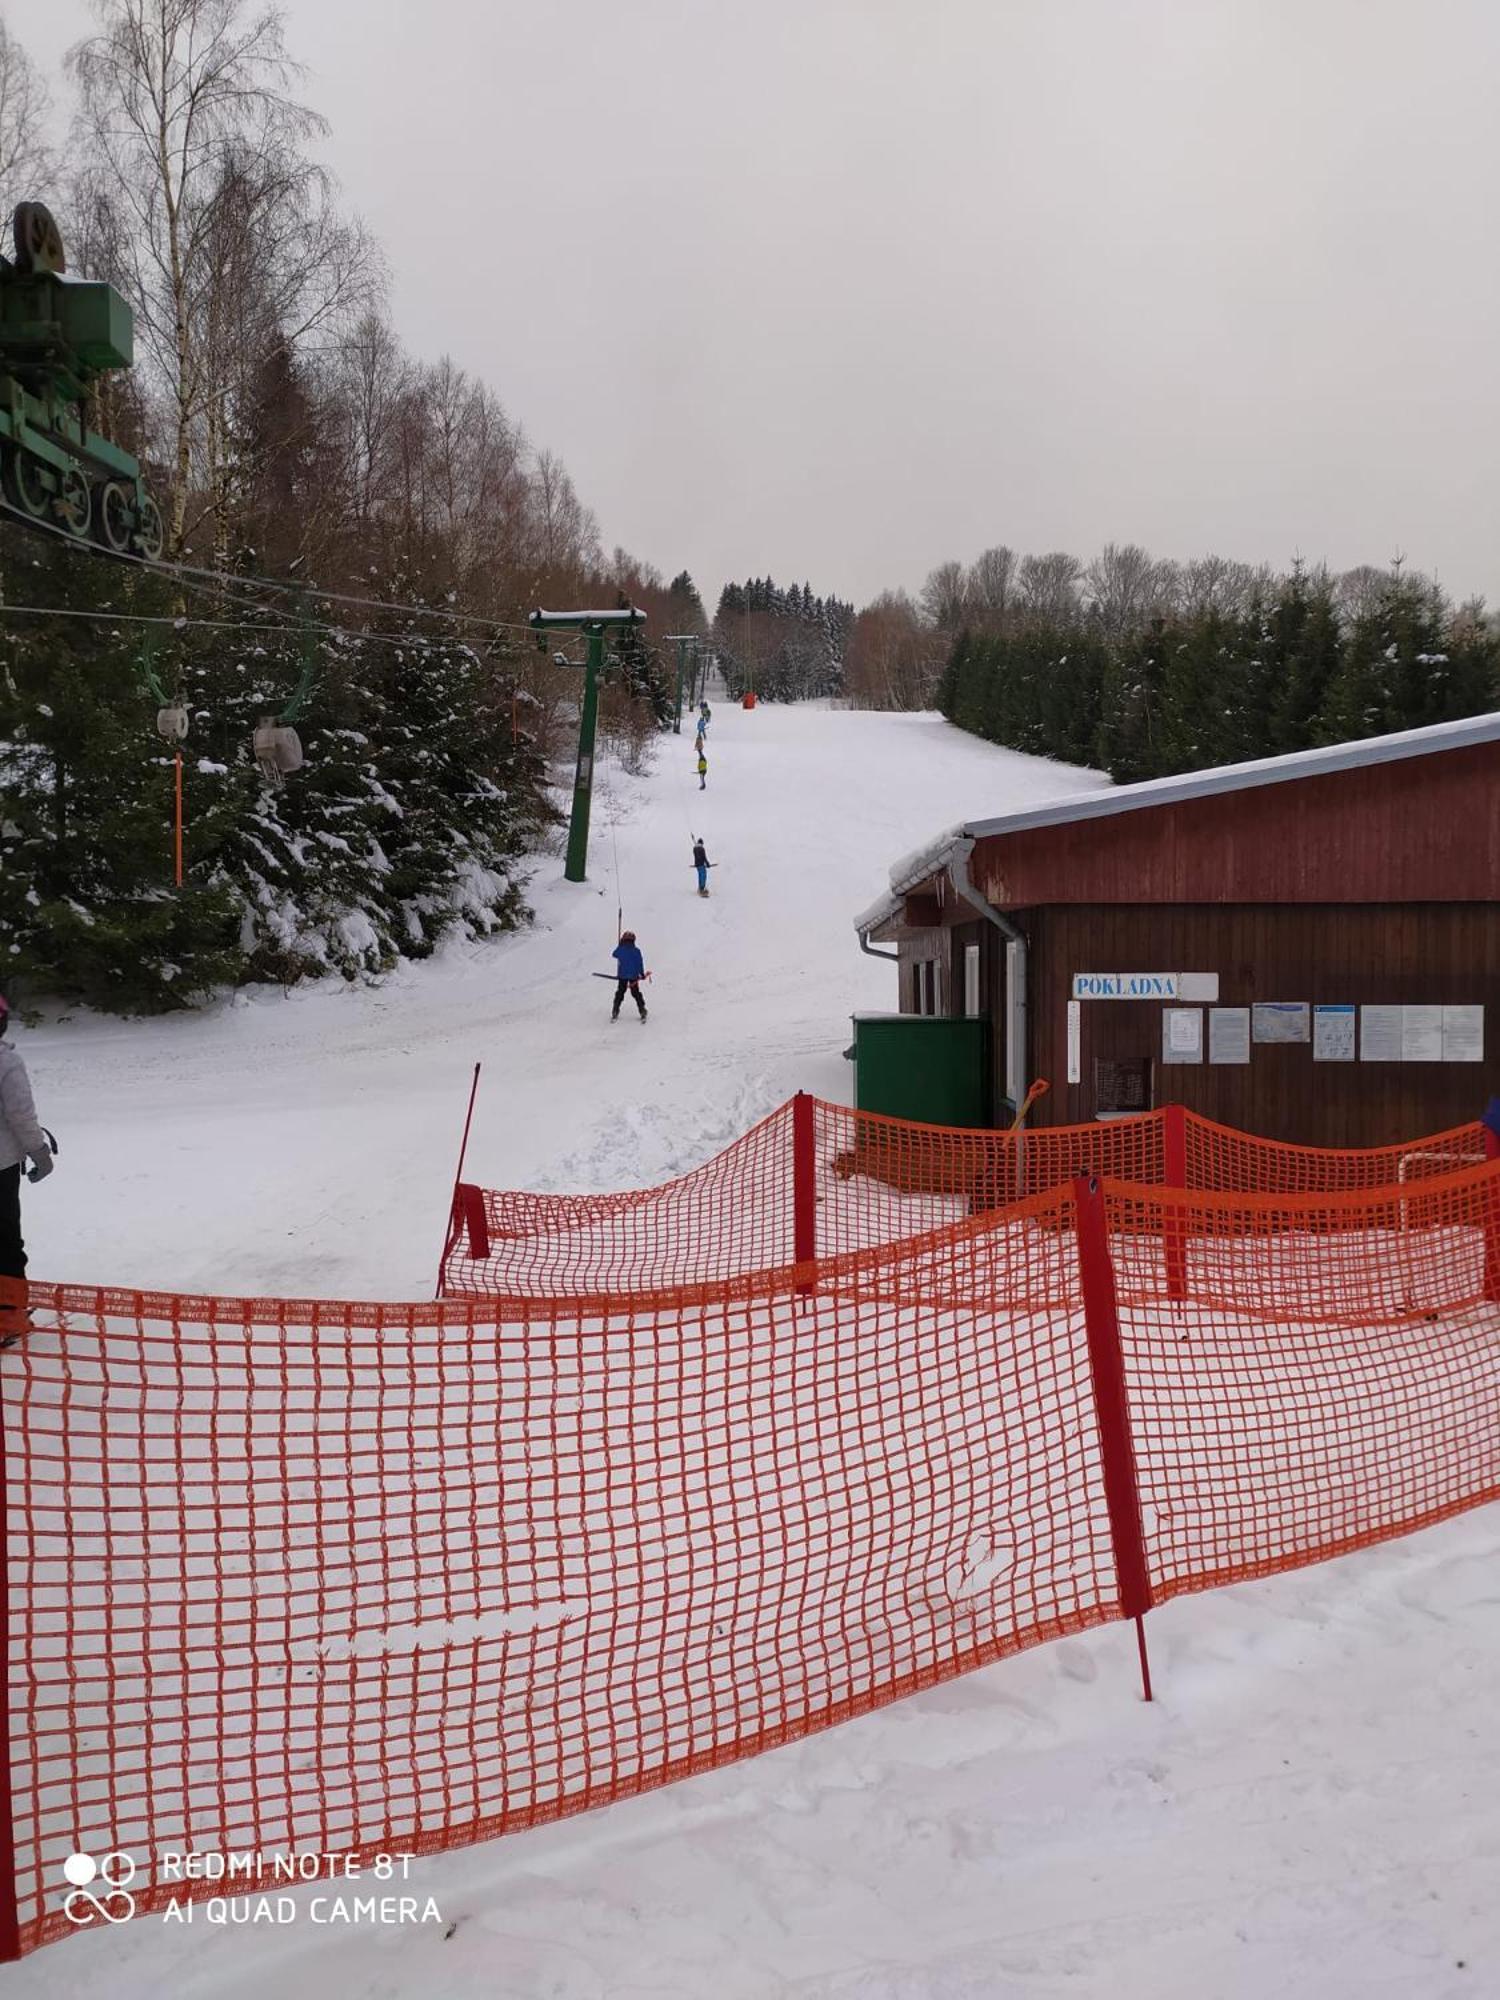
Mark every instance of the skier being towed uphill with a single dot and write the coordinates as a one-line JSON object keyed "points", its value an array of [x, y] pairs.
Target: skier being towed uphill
{"points": [[702, 863], [630, 969]]}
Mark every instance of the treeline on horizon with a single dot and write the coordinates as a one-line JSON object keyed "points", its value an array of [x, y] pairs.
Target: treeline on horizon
{"points": [[1144, 668], [785, 644]]}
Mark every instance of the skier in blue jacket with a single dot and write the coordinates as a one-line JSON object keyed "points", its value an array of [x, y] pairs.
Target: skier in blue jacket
{"points": [[631, 969]]}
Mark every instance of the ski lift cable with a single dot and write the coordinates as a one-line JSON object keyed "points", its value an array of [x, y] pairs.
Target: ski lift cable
{"points": [[283, 631], [187, 572], [619, 892]]}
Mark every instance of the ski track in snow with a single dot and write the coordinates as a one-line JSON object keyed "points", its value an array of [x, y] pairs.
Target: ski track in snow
{"points": [[1310, 1806]]}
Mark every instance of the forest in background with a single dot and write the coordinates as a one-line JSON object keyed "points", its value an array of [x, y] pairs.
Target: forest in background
{"points": [[1143, 667], [289, 437], [377, 525]]}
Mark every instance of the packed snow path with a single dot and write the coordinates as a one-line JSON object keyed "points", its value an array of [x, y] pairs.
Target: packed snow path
{"points": [[1310, 1807], [304, 1143]]}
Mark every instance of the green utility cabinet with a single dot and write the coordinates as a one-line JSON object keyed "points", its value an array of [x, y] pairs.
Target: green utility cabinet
{"points": [[923, 1066]]}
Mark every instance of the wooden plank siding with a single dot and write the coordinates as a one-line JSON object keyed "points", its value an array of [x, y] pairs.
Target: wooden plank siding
{"points": [[1423, 830], [1434, 953]]}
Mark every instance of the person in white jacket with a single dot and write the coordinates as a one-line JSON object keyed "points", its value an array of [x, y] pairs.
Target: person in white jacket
{"points": [[21, 1139]]}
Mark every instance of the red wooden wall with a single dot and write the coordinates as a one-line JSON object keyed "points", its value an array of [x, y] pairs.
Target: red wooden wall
{"points": [[1423, 830]]}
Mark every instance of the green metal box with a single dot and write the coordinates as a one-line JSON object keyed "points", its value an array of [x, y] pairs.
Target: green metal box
{"points": [[922, 1066], [96, 324]]}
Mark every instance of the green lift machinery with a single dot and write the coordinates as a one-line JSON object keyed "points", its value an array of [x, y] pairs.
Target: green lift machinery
{"points": [[57, 337]]}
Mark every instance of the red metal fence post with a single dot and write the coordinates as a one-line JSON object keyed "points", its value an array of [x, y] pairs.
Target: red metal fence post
{"points": [[10, 1919], [1112, 1408], [454, 1206], [1174, 1221], [1492, 1225], [804, 1183]]}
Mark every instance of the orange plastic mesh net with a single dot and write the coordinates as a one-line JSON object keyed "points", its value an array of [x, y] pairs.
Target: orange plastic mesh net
{"points": [[290, 1575], [1329, 1375], [865, 1180], [304, 1576]]}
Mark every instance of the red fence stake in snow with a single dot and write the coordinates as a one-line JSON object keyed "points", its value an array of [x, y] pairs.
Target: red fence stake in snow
{"points": [[12, 1294], [455, 1208], [1174, 1174], [1492, 1226], [1112, 1409], [804, 1184]]}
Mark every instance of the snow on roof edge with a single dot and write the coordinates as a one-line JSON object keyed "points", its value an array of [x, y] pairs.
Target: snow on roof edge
{"points": [[1221, 778], [1401, 744], [880, 911]]}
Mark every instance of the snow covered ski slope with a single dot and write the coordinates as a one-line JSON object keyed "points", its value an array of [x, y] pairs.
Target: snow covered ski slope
{"points": [[305, 1144], [1308, 1809]]}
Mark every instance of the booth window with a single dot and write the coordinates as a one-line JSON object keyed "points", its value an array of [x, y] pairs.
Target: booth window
{"points": [[971, 980]]}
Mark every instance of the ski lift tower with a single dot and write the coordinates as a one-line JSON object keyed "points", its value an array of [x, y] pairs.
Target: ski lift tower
{"points": [[593, 625], [684, 642]]}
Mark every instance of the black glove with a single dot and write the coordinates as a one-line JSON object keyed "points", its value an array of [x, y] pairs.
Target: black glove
{"points": [[41, 1166]]}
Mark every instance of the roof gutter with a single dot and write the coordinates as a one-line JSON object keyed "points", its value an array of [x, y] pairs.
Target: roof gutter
{"points": [[1017, 981], [871, 951]]}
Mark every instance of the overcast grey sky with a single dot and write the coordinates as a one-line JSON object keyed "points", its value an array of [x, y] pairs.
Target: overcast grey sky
{"points": [[840, 288]]}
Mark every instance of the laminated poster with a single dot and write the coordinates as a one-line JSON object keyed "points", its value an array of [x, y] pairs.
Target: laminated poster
{"points": [[1334, 1033], [1463, 1034], [1421, 1034], [1182, 1034], [1229, 1034], [1380, 1034], [1283, 1021]]}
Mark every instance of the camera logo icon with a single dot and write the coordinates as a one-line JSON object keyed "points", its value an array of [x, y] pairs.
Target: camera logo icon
{"points": [[98, 1891]]}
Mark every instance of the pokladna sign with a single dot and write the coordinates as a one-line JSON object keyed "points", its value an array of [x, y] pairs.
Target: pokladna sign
{"points": [[1145, 985], [1125, 985]]}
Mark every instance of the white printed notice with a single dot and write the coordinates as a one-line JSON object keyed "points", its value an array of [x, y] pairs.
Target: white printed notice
{"points": [[1463, 1034], [1283, 1021], [1421, 1034], [1182, 1034], [1333, 1033], [1229, 1034], [1380, 1034]]}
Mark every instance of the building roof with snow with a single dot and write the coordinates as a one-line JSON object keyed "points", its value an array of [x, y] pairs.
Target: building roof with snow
{"points": [[1351, 830]]}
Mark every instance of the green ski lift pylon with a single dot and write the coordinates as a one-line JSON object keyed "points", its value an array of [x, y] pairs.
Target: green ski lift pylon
{"points": [[593, 625], [683, 641]]}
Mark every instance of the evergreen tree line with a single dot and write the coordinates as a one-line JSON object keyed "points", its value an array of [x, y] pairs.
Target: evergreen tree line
{"points": [[786, 644], [1293, 663], [421, 793], [287, 435]]}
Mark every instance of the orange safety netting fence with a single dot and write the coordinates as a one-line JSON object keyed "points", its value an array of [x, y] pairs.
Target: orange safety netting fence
{"points": [[819, 1180], [290, 1577]]}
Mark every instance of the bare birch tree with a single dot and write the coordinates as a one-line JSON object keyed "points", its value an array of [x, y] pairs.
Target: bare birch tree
{"points": [[25, 158], [893, 658], [186, 104], [992, 586], [945, 596], [1048, 586], [1123, 583]]}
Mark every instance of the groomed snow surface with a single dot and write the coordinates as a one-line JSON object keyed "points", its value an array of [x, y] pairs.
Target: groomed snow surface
{"points": [[1310, 1807]]}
